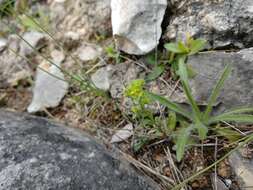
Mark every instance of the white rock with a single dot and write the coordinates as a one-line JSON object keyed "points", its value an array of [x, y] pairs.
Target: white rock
{"points": [[101, 78], [57, 56], [3, 44], [122, 134], [137, 24], [49, 89], [34, 39], [89, 52]]}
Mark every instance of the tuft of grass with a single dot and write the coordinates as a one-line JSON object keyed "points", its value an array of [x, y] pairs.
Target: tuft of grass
{"points": [[198, 121]]}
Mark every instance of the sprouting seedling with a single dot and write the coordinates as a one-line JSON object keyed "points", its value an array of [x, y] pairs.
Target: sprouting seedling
{"points": [[181, 50]]}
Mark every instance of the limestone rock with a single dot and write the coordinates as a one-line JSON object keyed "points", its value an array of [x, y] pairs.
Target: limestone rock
{"points": [[243, 169], [89, 52], [115, 78], [38, 154], [88, 17], [3, 44], [101, 78], [35, 39], [12, 69], [237, 89], [137, 24], [50, 87], [223, 23]]}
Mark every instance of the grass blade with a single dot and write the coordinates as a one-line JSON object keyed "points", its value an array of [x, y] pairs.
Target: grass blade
{"points": [[182, 71], [239, 118], [216, 91], [170, 105], [182, 140], [240, 110]]}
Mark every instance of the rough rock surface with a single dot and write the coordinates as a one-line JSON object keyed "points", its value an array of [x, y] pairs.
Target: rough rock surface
{"points": [[237, 90], [243, 169], [35, 39], [50, 87], [12, 69], [3, 44], [224, 23], [137, 24], [38, 154], [87, 18], [115, 78], [89, 52]]}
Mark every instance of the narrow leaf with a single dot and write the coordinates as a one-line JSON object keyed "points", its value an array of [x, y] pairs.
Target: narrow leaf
{"points": [[172, 121], [170, 105], [182, 139], [182, 71], [157, 71], [216, 91], [173, 47], [228, 133], [197, 45], [240, 110], [238, 118], [202, 130]]}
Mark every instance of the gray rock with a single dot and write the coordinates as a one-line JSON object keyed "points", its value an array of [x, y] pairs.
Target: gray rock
{"points": [[115, 77], [88, 17], [224, 23], [89, 52], [12, 69], [101, 78], [243, 169], [217, 183], [137, 24], [50, 87], [237, 89], [37, 154], [3, 44], [35, 39]]}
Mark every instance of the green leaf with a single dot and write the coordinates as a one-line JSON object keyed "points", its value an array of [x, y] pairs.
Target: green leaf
{"points": [[216, 91], [182, 71], [181, 142], [191, 72], [173, 47], [240, 110], [238, 118], [196, 46], [156, 72], [202, 130], [151, 59], [172, 121], [182, 47], [170, 105], [228, 133]]}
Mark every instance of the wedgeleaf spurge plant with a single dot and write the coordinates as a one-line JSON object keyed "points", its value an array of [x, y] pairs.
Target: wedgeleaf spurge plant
{"points": [[199, 121]]}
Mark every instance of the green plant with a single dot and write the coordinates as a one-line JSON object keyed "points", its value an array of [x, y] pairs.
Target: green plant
{"points": [[200, 121], [158, 68], [5, 7], [181, 50], [149, 127], [30, 22], [113, 53]]}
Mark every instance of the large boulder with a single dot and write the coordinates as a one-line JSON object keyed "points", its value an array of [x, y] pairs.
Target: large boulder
{"points": [[224, 23], [237, 90], [38, 154], [137, 24]]}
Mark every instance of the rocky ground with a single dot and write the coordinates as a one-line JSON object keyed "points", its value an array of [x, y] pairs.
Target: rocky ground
{"points": [[84, 53]]}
